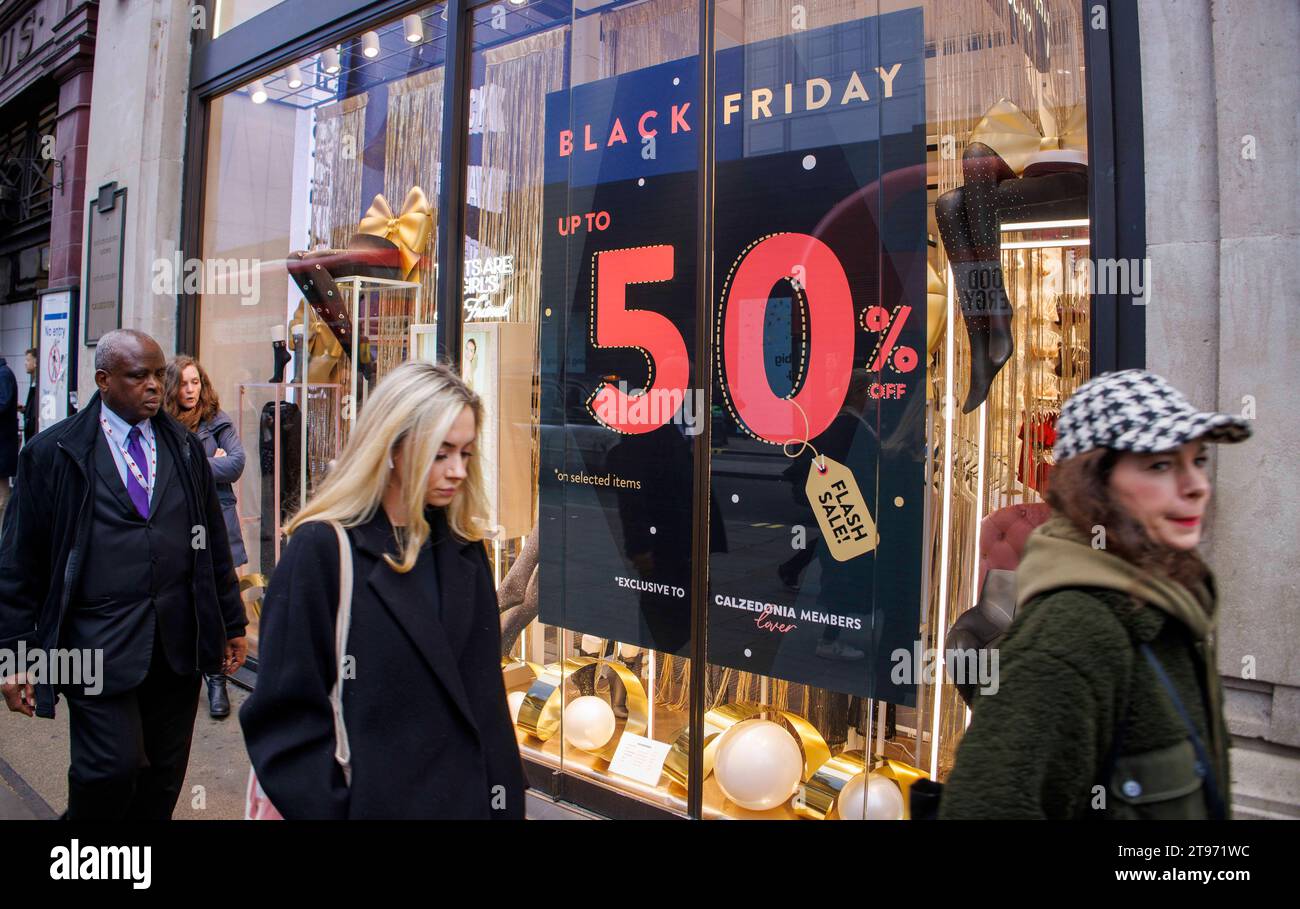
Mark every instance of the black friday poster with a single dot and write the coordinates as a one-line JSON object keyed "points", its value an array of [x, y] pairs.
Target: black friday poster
{"points": [[618, 301], [819, 254]]}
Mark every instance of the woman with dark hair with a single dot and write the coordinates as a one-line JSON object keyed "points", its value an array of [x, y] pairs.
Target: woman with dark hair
{"points": [[1108, 702], [188, 396]]}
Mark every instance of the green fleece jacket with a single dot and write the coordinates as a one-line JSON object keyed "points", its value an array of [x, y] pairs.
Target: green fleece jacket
{"points": [[1070, 672]]}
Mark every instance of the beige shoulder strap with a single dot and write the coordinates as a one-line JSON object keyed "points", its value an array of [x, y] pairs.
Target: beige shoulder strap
{"points": [[342, 623]]}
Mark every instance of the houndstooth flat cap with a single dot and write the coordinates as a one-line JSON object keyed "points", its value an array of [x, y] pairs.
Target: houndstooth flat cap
{"points": [[1136, 410]]}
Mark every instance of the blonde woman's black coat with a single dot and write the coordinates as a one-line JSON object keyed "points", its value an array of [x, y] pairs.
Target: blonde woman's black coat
{"points": [[426, 713]]}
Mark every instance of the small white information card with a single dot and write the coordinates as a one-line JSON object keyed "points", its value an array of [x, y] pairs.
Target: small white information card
{"points": [[639, 758]]}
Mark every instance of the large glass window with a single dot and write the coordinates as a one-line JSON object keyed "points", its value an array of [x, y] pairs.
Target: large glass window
{"points": [[327, 165], [897, 299], [595, 524], [900, 202]]}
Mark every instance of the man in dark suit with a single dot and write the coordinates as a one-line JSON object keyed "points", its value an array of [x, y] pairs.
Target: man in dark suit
{"points": [[115, 542]]}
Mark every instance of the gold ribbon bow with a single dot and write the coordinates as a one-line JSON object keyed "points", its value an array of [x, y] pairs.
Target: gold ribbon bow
{"points": [[408, 231], [1008, 131], [326, 358], [324, 352]]}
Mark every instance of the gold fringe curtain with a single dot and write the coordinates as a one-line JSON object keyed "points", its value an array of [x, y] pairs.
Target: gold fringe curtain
{"points": [[335, 209], [336, 174], [516, 80], [977, 61], [517, 77], [1051, 361], [413, 157], [647, 34]]}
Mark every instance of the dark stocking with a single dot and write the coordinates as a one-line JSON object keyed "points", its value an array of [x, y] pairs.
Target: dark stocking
{"points": [[970, 222], [970, 225]]}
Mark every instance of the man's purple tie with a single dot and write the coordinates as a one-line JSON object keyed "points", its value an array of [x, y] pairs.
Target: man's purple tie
{"points": [[139, 494]]}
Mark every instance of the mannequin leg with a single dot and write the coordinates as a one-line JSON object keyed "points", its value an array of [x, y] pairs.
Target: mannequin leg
{"points": [[517, 595], [970, 225]]}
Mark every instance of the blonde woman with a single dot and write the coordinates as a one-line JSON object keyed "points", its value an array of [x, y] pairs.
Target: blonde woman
{"points": [[423, 705]]}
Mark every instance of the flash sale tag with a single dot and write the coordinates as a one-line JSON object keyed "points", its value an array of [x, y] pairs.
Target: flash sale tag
{"points": [[842, 513]]}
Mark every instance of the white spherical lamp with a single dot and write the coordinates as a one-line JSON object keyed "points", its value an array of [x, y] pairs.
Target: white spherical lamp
{"points": [[516, 700], [758, 764], [588, 723], [884, 800]]}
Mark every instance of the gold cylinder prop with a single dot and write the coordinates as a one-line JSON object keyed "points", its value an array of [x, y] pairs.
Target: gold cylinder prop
{"points": [[253, 582], [721, 718], [823, 788], [824, 776], [541, 712], [822, 791], [904, 775]]}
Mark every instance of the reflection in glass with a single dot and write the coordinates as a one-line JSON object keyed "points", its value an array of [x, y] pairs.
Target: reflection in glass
{"points": [[605, 546], [309, 291]]}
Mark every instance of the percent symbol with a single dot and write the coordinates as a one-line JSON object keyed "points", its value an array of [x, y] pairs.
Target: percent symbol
{"points": [[877, 318]]}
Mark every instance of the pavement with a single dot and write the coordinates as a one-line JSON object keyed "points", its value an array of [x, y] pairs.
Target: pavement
{"points": [[34, 765], [34, 769]]}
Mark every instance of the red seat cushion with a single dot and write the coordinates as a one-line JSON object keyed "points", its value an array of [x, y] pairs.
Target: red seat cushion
{"points": [[1004, 532]]}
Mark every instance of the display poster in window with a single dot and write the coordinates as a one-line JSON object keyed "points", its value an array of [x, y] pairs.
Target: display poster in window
{"points": [[818, 465], [620, 392]]}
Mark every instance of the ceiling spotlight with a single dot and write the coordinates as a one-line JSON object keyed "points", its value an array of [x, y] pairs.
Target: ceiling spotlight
{"points": [[370, 45], [413, 25], [518, 2], [294, 75], [257, 91], [329, 61]]}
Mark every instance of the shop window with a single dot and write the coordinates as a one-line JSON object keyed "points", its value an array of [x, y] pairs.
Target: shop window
{"points": [[896, 321], [899, 303], [577, 696], [307, 166]]}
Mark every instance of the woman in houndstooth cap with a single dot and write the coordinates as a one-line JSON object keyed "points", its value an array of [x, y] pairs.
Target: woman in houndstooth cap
{"points": [[1109, 703]]}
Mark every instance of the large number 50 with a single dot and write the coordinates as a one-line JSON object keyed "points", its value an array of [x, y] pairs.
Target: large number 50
{"points": [[827, 351]]}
